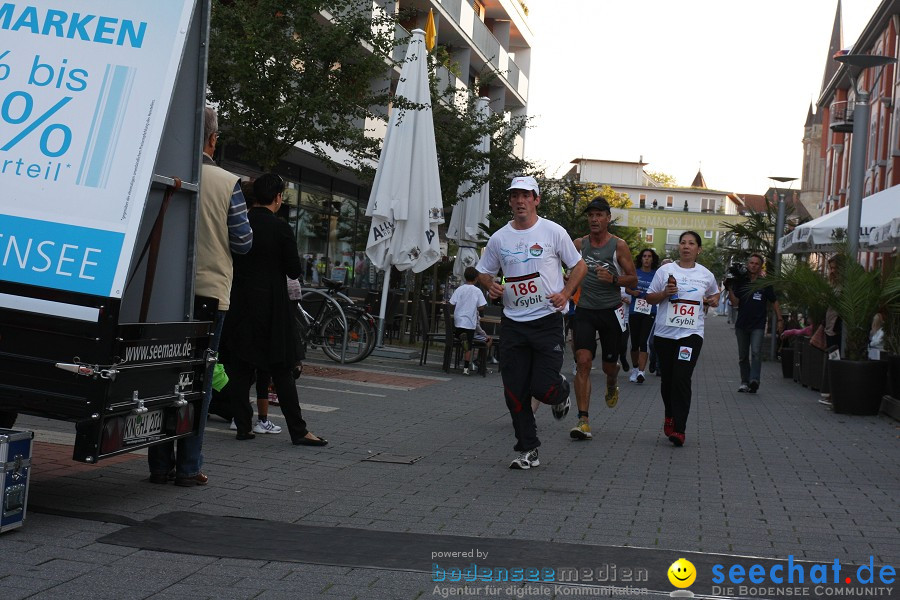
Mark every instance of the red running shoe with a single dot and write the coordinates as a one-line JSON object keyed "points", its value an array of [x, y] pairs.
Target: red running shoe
{"points": [[677, 439], [668, 426]]}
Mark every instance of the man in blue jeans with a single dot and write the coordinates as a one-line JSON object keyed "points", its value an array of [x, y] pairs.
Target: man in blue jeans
{"points": [[222, 228], [752, 304]]}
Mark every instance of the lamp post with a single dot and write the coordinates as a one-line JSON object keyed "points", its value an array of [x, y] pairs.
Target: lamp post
{"points": [[780, 217], [776, 261], [857, 63]]}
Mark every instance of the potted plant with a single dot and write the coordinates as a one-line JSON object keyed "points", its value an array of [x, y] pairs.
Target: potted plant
{"points": [[809, 293], [857, 383]]}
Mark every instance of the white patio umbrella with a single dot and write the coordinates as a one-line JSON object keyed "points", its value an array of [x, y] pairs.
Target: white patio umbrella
{"points": [[470, 212], [405, 204], [824, 234], [885, 237]]}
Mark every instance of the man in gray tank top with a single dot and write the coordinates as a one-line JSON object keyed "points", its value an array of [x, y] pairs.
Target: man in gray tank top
{"points": [[600, 310]]}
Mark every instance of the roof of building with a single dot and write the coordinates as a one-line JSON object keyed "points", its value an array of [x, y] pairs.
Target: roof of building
{"points": [[836, 44], [757, 202], [699, 182], [621, 162]]}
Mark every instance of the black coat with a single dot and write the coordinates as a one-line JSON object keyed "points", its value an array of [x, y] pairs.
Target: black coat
{"points": [[259, 325]]}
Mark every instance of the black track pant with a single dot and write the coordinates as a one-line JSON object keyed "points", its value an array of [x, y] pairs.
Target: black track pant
{"points": [[677, 359], [531, 355]]}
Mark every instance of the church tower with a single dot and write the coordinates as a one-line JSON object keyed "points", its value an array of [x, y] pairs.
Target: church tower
{"points": [[812, 184]]}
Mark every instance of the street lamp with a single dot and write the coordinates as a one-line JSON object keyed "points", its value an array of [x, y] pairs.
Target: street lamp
{"points": [[779, 219], [857, 63], [779, 231]]}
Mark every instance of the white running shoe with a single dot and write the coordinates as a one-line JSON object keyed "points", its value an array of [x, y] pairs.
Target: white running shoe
{"points": [[633, 377], [526, 460], [266, 427]]}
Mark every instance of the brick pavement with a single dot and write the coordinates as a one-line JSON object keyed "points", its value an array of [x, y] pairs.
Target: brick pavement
{"points": [[769, 475]]}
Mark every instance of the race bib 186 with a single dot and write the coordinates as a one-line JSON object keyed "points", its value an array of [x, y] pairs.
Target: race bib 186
{"points": [[683, 313], [524, 291]]}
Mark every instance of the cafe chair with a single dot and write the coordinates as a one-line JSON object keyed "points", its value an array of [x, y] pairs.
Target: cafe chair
{"points": [[427, 335]]}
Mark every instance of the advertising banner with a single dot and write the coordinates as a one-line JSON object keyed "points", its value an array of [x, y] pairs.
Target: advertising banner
{"points": [[85, 87]]}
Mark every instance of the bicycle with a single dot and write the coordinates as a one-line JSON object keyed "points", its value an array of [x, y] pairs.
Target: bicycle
{"points": [[326, 328]]}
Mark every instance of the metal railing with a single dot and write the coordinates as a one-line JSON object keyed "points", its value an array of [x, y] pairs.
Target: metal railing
{"points": [[841, 114]]}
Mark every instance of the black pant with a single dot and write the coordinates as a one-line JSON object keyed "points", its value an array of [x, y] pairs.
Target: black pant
{"points": [[531, 355], [677, 359], [262, 384], [240, 374], [640, 325]]}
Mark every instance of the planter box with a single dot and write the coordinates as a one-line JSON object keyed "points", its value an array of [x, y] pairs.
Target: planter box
{"points": [[813, 368], [787, 362], [799, 344], [857, 386], [893, 388]]}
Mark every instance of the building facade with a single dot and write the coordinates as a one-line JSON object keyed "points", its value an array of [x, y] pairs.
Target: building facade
{"points": [[661, 213], [325, 207]]}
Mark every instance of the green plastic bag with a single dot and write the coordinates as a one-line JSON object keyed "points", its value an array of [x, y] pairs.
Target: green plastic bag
{"points": [[220, 377]]}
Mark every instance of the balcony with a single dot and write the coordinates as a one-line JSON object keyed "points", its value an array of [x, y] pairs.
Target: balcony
{"points": [[841, 116], [484, 41]]}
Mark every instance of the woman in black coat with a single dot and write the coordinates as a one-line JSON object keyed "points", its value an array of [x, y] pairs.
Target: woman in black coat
{"points": [[259, 331]]}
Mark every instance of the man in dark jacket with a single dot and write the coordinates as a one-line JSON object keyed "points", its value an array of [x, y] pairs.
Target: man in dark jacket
{"points": [[752, 305]]}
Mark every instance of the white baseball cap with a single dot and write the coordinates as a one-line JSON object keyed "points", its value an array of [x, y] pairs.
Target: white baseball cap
{"points": [[524, 183]]}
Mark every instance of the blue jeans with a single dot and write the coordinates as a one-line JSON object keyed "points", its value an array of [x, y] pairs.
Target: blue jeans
{"points": [[186, 454], [749, 343]]}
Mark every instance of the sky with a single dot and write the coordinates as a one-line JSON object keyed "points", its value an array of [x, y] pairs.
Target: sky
{"points": [[722, 85]]}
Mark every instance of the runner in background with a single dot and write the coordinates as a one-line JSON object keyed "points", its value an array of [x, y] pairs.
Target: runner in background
{"points": [[641, 313], [600, 310]]}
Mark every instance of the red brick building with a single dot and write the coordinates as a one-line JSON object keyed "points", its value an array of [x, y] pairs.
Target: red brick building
{"points": [[882, 164]]}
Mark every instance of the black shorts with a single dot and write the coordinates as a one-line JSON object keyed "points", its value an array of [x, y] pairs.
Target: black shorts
{"points": [[602, 321], [467, 336]]}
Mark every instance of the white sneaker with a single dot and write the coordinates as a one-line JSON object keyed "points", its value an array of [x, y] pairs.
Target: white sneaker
{"points": [[465, 370], [526, 460], [633, 377], [640, 377], [232, 427], [266, 427]]}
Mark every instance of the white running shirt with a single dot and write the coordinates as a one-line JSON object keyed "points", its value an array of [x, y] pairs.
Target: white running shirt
{"points": [[531, 260], [693, 285]]}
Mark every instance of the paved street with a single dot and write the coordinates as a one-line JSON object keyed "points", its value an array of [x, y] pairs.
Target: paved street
{"points": [[418, 452]]}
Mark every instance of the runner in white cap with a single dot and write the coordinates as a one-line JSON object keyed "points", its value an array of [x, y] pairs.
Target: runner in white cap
{"points": [[531, 251]]}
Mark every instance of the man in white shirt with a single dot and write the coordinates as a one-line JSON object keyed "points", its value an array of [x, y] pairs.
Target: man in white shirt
{"points": [[531, 251], [467, 301]]}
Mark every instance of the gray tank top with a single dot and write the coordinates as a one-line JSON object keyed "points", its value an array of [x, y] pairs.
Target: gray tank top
{"points": [[594, 293]]}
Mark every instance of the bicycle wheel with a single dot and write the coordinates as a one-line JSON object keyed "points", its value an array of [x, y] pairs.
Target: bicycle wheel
{"points": [[360, 337]]}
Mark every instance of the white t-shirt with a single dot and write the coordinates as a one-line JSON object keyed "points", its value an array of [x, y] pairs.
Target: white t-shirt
{"points": [[467, 298], [685, 316], [532, 261]]}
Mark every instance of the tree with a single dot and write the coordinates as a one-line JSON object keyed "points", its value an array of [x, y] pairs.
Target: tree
{"points": [[754, 234], [663, 179], [458, 129], [280, 74]]}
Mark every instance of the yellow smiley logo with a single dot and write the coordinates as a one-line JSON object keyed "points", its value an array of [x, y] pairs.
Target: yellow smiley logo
{"points": [[682, 573]]}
